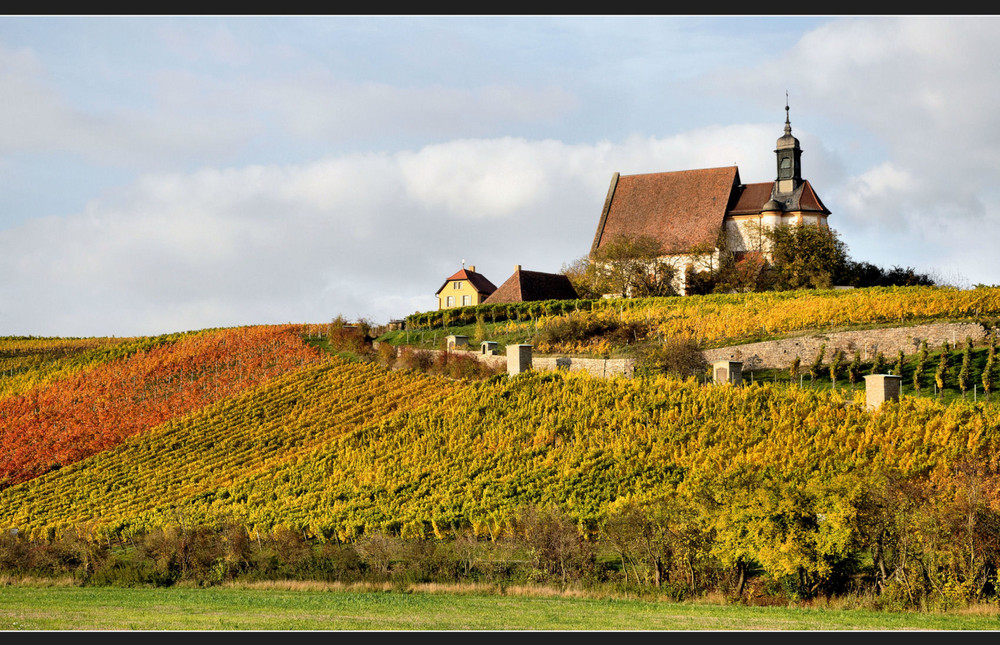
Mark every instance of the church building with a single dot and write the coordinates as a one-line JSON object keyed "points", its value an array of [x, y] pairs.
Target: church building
{"points": [[692, 213]]}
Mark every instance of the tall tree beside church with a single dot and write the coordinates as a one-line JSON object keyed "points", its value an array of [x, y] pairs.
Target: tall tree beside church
{"points": [[805, 256]]}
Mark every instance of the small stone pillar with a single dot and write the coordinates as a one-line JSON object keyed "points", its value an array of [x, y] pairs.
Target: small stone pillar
{"points": [[518, 358], [488, 347], [727, 372], [880, 388], [453, 341]]}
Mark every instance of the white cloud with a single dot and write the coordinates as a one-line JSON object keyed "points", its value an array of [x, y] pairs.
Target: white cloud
{"points": [[364, 235]]}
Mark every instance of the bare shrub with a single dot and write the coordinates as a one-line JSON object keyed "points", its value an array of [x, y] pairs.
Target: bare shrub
{"points": [[556, 545], [677, 356], [377, 551], [413, 359]]}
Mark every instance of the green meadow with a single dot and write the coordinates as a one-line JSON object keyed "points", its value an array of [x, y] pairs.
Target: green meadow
{"points": [[105, 608]]}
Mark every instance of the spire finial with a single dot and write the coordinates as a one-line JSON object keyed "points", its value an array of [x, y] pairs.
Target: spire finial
{"points": [[788, 124]]}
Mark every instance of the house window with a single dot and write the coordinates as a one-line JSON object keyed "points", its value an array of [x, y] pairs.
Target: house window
{"points": [[466, 301], [457, 285], [450, 301]]}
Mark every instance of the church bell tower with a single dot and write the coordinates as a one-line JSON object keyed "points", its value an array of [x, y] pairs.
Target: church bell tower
{"points": [[789, 162]]}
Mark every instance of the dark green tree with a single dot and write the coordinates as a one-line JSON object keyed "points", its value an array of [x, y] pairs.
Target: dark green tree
{"points": [[806, 256], [854, 369]]}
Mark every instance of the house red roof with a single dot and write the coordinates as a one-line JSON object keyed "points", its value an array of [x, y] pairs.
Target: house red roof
{"points": [[477, 280], [681, 209], [526, 286]]}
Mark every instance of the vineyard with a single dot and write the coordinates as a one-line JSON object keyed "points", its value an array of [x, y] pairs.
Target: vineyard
{"points": [[702, 486], [82, 407]]}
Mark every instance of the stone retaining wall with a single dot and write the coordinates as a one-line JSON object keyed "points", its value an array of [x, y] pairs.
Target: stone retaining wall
{"points": [[781, 353], [603, 367]]}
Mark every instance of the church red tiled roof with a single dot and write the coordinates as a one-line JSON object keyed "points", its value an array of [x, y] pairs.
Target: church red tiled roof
{"points": [[681, 209], [750, 198]]}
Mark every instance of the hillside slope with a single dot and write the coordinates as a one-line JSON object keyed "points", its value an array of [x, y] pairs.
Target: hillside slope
{"points": [[342, 449]]}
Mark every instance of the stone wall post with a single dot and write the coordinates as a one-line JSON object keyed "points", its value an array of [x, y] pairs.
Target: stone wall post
{"points": [[727, 372], [455, 341], [518, 358], [880, 388]]}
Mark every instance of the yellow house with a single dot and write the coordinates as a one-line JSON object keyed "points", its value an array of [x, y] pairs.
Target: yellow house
{"points": [[464, 289]]}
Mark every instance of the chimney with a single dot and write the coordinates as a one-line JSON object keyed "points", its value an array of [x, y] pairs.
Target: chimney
{"points": [[472, 267], [517, 267]]}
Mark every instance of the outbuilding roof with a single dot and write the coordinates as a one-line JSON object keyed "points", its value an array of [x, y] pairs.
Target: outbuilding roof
{"points": [[526, 286]]}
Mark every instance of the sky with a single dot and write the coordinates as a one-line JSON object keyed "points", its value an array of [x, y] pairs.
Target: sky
{"points": [[163, 174]]}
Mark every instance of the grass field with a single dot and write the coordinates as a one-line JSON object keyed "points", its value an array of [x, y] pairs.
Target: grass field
{"points": [[103, 608]]}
